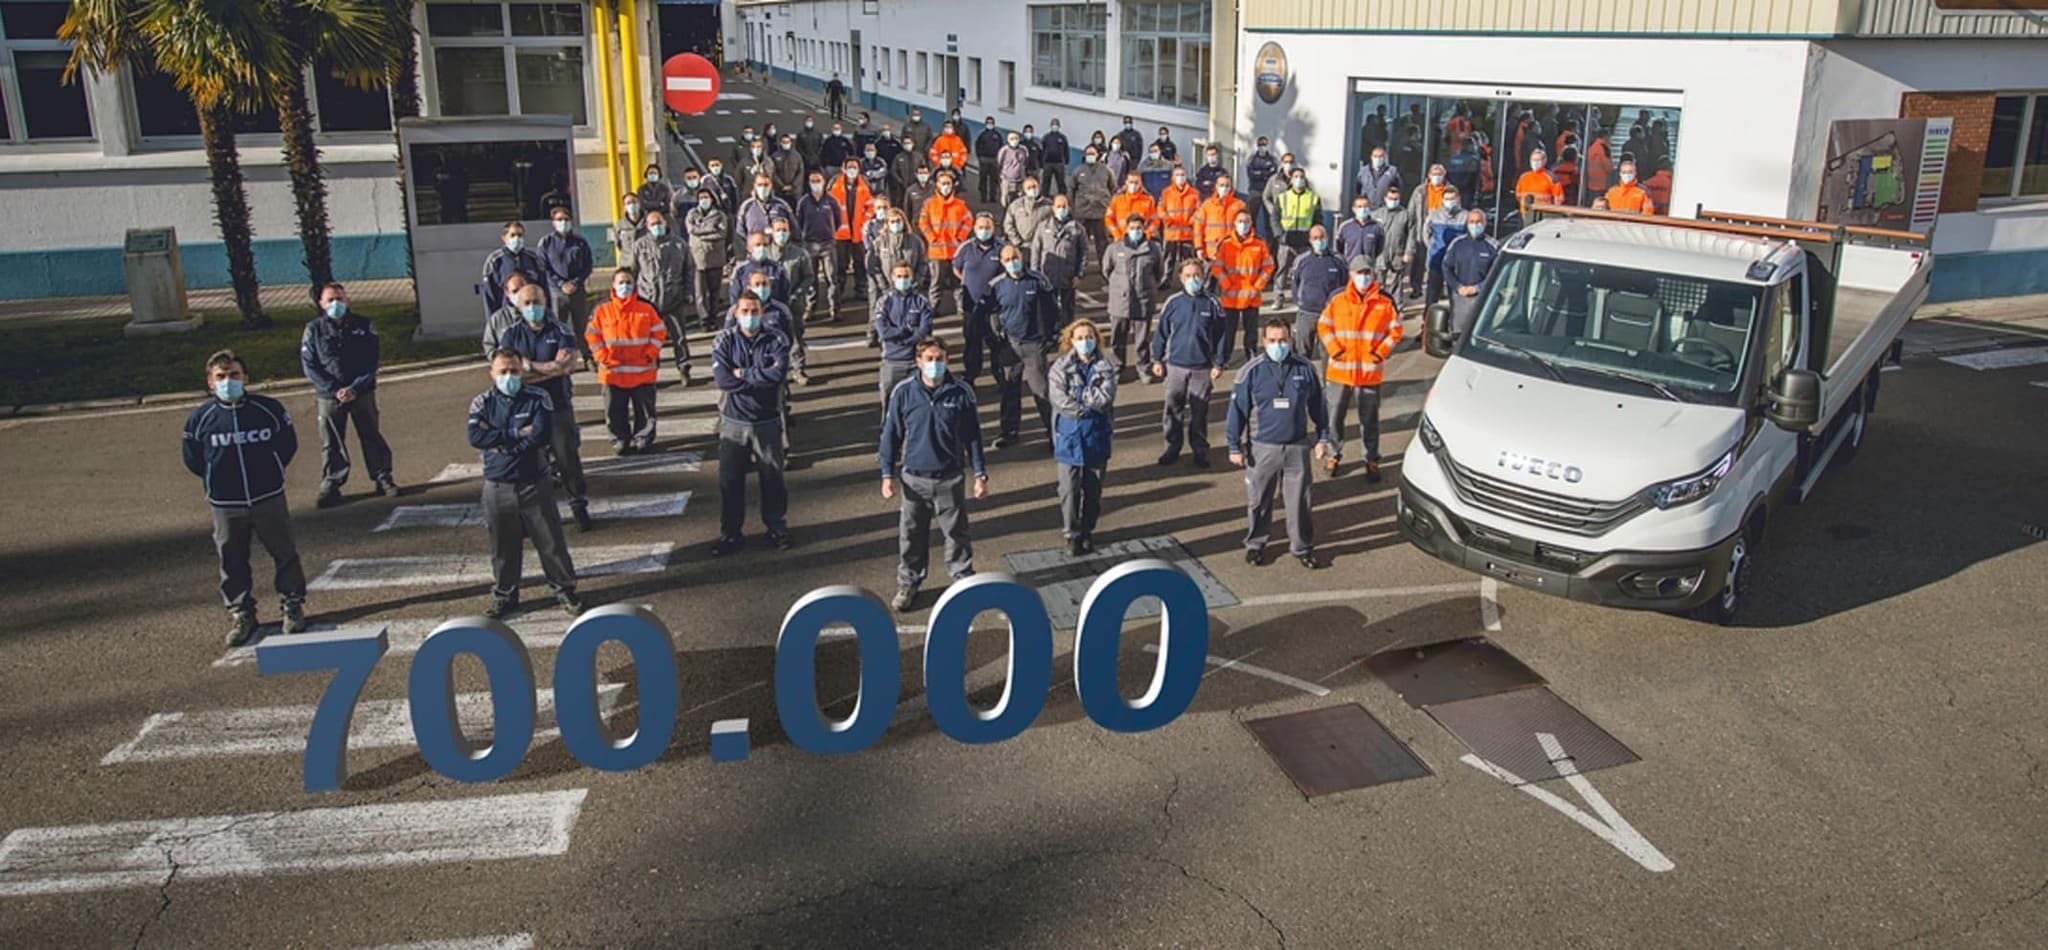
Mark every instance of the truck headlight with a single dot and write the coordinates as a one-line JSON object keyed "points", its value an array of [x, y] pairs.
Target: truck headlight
{"points": [[1430, 440], [1685, 491]]}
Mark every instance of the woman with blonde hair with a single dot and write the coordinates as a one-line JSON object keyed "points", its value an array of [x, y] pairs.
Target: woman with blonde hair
{"points": [[1083, 390]]}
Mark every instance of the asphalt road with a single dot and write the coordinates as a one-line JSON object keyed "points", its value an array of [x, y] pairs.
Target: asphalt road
{"points": [[1861, 765]]}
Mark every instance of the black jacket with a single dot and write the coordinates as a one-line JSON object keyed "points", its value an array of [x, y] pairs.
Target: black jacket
{"points": [[339, 354], [239, 450], [495, 421]]}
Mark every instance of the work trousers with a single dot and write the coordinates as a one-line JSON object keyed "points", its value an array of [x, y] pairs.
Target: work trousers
{"points": [[1133, 329], [1080, 500], [990, 180], [824, 281], [572, 311], [977, 340], [940, 281], [1053, 178], [334, 419], [710, 288], [1306, 342], [672, 320], [925, 497], [1187, 408], [1021, 366], [516, 512], [1464, 312], [759, 447], [270, 522], [629, 415], [1247, 318], [1283, 467], [1064, 296], [1177, 253], [1098, 233], [565, 443], [852, 269], [1292, 245], [893, 373], [1011, 189], [1340, 399]]}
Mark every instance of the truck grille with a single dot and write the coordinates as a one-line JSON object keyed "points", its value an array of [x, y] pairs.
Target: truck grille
{"points": [[1576, 515]]}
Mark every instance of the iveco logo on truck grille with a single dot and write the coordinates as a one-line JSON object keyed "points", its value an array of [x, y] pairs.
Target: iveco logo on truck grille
{"points": [[1540, 468]]}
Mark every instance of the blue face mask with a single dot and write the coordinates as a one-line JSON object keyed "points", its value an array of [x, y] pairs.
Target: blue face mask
{"points": [[1014, 267], [534, 313], [507, 384], [514, 243], [228, 390], [903, 284], [1277, 352], [750, 322], [1475, 229], [761, 291], [622, 291], [1320, 245], [336, 309], [1193, 285], [1085, 347], [934, 370]]}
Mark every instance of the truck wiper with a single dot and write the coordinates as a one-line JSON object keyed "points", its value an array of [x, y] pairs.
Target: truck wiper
{"points": [[1547, 365], [1662, 389]]}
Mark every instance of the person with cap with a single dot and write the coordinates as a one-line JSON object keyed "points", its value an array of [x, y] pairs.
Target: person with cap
{"points": [[750, 363], [1359, 329], [1189, 350], [1022, 312], [511, 426], [975, 268], [1276, 412], [931, 436], [1131, 275], [1318, 276], [1467, 262], [625, 339], [902, 317], [238, 443], [1024, 214], [339, 353], [1052, 156], [710, 231], [548, 353], [1243, 268], [666, 281], [1082, 387], [1059, 251]]}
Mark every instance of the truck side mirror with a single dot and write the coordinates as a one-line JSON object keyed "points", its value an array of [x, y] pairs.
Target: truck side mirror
{"points": [[1793, 401], [1437, 336]]}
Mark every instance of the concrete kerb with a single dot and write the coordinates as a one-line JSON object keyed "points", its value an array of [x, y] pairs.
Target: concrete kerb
{"points": [[276, 387]]}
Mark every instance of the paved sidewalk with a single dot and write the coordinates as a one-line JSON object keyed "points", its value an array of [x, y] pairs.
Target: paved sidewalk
{"points": [[278, 300]]}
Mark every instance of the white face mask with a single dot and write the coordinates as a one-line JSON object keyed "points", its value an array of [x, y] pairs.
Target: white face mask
{"points": [[1535, 164], [1628, 177], [1222, 191], [1436, 179]]}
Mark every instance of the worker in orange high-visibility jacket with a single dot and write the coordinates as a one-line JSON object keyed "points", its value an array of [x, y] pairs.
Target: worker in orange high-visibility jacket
{"points": [[850, 266], [1629, 194], [1177, 207], [946, 223], [1242, 266], [1359, 329], [1132, 200], [1537, 183], [625, 338], [1215, 217], [948, 152]]}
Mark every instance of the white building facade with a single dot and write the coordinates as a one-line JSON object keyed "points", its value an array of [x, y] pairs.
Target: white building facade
{"points": [[1724, 106]]}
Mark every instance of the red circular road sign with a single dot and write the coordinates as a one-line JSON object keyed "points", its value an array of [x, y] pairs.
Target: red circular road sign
{"points": [[689, 83]]}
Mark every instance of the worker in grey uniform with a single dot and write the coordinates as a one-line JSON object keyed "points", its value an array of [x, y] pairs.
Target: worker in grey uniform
{"points": [[1131, 278], [1276, 408], [239, 443], [931, 434], [510, 424]]}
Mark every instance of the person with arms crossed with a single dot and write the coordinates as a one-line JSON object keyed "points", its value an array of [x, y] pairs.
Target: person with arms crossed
{"points": [[750, 362], [510, 424], [548, 353], [1083, 390]]}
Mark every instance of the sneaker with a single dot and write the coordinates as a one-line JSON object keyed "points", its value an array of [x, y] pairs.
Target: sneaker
{"points": [[1201, 459], [905, 597], [242, 628], [1309, 561], [1372, 473], [1251, 556], [1005, 441], [295, 618], [1074, 547], [582, 515], [624, 448], [386, 487], [725, 546], [781, 540], [569, 604], [328, 499], [501, 608]]}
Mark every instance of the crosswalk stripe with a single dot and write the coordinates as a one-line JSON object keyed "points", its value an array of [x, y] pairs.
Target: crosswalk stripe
{"points": [[455, 570], [2000, 359], [281, 730], [471, 514], [659, 463], [541, 630], [497, 942], [724, 96], [692, 140], [597, 434], [666, 399], [725, 139], [721, 112], [75, 859]]}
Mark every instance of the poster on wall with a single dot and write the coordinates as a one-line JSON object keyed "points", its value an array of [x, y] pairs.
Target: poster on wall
{"points": [[1885, 173]]}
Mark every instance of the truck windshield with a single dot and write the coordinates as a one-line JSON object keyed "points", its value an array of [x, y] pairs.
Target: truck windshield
{"points": [[1632, 331]]}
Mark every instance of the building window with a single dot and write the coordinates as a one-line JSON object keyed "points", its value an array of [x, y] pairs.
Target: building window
{"points": [[1166, 52], [924, 72], [38, 104], [902, 69], [882, 66], [508, 59], [2016, 158], [162, 110], [1006, 84], [340, 107], [1068, 42], [973, 78]]}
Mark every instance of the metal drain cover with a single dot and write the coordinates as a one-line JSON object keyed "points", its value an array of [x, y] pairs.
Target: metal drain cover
{"points": [[1502, 730], [1335, 749], [1451, 670]]}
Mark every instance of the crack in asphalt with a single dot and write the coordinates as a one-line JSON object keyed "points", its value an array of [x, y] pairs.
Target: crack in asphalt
{"points": [[2034, 763], [1981, 919], [163, 894]]}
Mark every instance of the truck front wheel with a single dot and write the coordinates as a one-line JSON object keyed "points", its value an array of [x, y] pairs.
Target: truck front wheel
{"points": [[1721, 609]]}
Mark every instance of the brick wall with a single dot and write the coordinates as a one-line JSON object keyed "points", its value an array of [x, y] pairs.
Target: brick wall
{"points": [[1972, 114]]}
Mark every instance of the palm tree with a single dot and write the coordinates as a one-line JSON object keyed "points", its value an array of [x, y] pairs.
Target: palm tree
{"points": [[226, 55]]}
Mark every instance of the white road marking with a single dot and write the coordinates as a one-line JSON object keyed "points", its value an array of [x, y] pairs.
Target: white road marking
{"points": [[499, 942], [840, 344], [659, 463], [542, 629], [714, 702], [1609, 827], [724, 139], [1260, 671], [671, 398], [2000, 359], [1489, 604], [2043, 383], [721, 112], [1333, 596], [281, 730], [773, 111], [1089, 299], [687, 83], [1326, 677], [597, 434], [445, 570], [735, 96], [80, 858], [1890, 368], [748, 111], [471, 514], [692, 140]]}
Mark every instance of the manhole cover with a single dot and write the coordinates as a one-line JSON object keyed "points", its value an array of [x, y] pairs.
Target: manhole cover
{"points": [[1502, 730], [1450, 671], [1335, 749], [1062, 580]]}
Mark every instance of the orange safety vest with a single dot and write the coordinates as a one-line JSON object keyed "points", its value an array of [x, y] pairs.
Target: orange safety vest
{"points": [[857, 211], [1126, 204], [1540, 184], [1214, 220], [1242, 269], [1599, 165], [625, 338], [1434, 199], [946, 223], [1659, 185], [1359, 332], [1177, 207], [948, 145], [1629, 197], [1456, 130]]}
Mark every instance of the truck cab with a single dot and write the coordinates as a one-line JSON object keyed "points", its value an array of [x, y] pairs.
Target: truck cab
{"points": [[1635, 395]]}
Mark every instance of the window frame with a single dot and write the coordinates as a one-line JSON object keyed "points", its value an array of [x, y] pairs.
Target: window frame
{"points": [[1071, 70], [2034, 101], [512, 46], [14, 132], [1165, 68]]}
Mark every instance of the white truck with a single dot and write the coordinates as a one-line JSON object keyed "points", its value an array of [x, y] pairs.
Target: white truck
{"points": [[1636, 395]]}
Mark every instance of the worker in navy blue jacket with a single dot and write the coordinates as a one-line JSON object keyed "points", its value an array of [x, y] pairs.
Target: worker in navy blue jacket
{"points": [[750, 363], [548, 353], [512, 255], [1024, 317], [976, 265], [902, 317], [931, 434], [1467, 261], [566, 256], [1189, 349], [339, 354], [1318, 276], [239, 443], [760, 257], [1276, 411], [510, 425]]}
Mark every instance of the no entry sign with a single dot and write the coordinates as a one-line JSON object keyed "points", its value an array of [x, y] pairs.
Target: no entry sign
{"points": [[689, 83]]}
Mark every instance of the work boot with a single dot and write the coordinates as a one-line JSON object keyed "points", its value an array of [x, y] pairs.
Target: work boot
{"points": [[568, 602], [329, 497], [242, 628], [905, 597], [781, 540], [1074, 547], [581, 512], [1372, 473], [501, 607], [1251, 556], [1005, 440], [386, 487], [1309, 561], [1168, 458], [1201, 459], [725, 546], [295, 618]]}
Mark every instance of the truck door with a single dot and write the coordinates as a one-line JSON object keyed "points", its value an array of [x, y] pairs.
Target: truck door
{"points": [[1779, 346]]}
